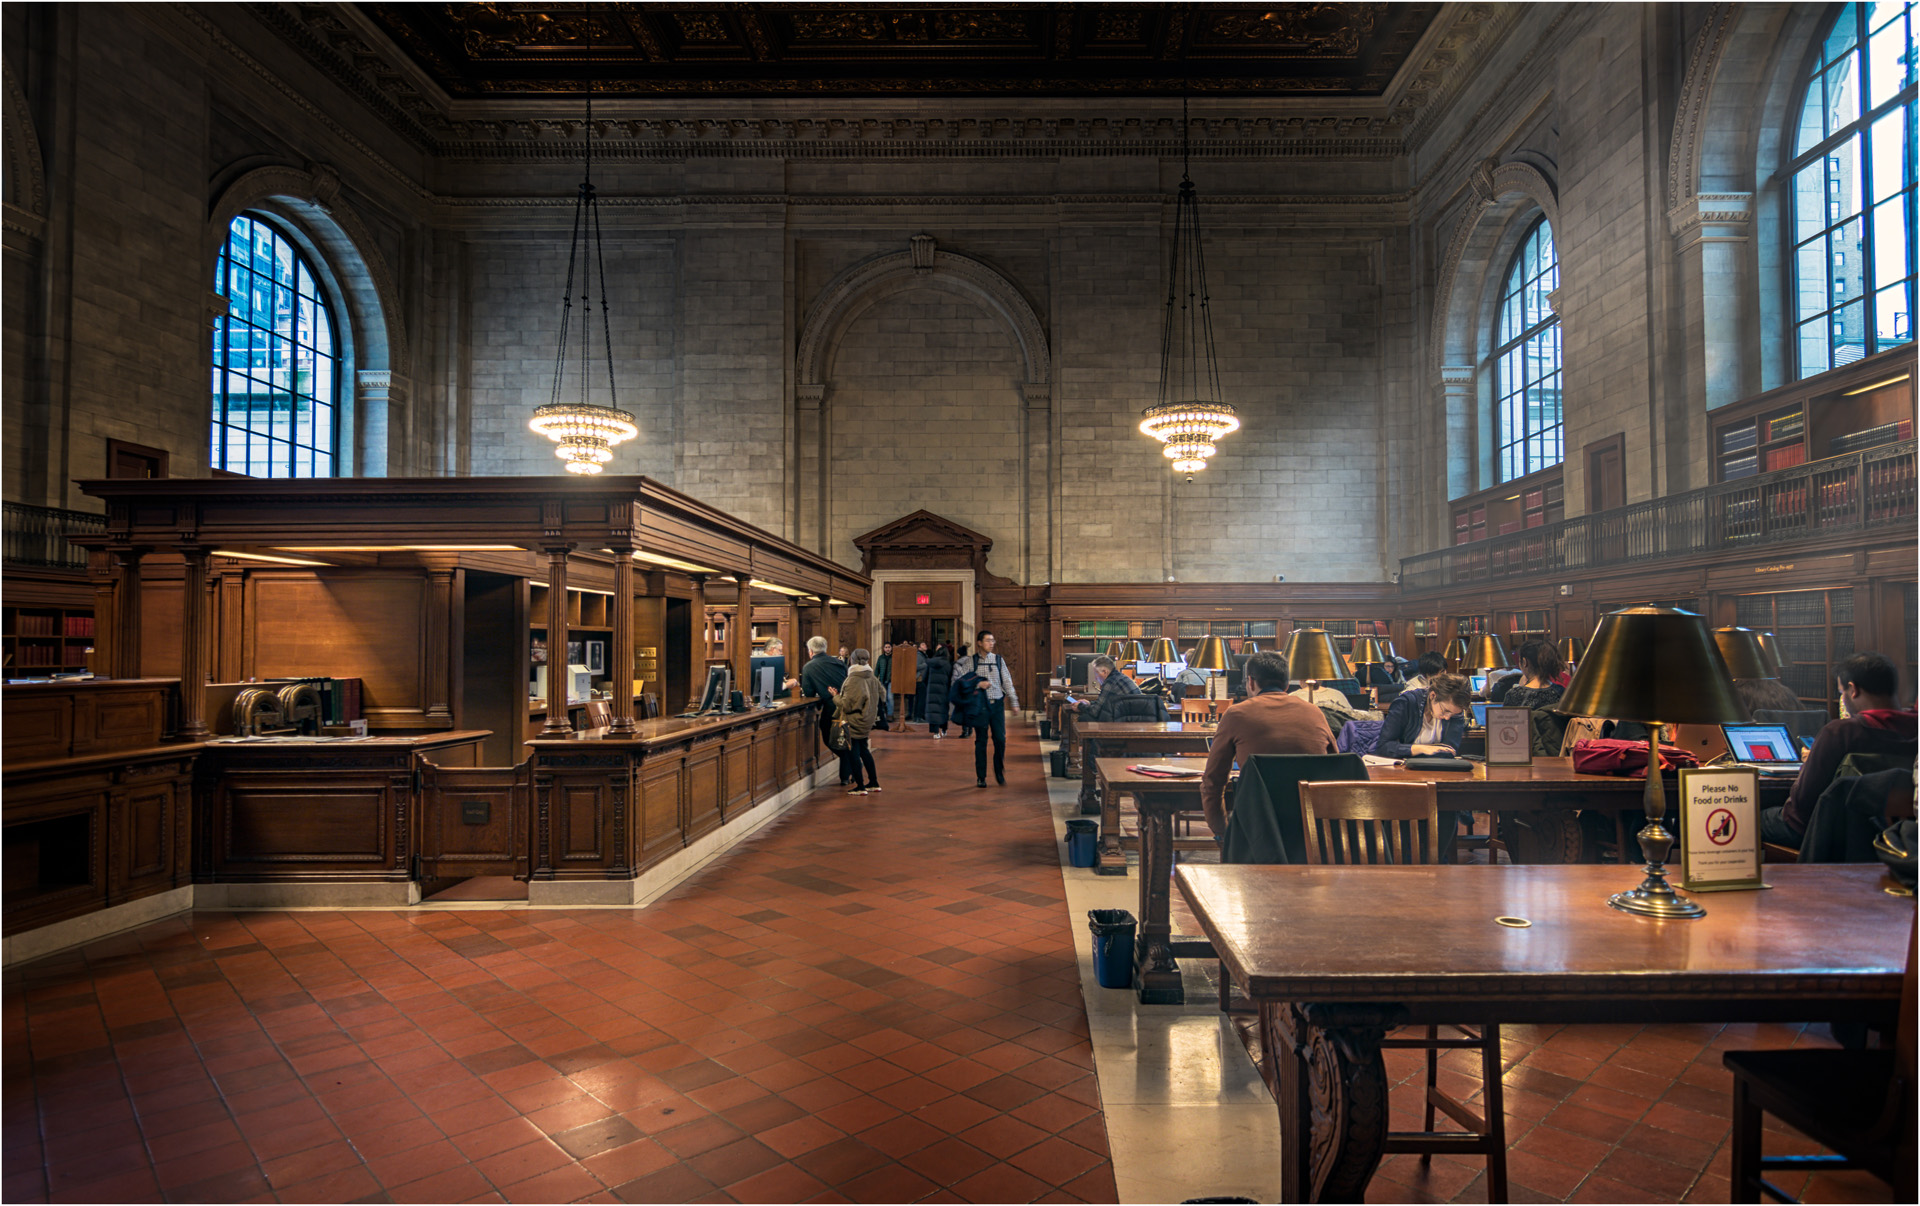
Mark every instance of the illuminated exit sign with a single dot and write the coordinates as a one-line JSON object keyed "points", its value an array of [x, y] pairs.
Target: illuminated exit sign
{"points": [[923, 600]]}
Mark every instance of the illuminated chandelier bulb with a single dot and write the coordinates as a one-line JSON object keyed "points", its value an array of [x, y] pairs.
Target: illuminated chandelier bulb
{"points": [[585, 434]]}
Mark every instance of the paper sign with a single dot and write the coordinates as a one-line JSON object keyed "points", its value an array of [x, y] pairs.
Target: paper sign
{"points": [[1509, 736], [1719, 829]]}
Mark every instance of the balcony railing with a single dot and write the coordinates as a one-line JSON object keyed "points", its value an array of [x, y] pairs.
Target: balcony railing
{"points": [[38, 535], [1860, 492]]}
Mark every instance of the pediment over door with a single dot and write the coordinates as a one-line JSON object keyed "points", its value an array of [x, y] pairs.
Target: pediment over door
{"points": [[923, 540]]}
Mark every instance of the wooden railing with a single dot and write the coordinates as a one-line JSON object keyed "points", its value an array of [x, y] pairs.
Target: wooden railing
{"points": [[37, 536], [1863, 491]]}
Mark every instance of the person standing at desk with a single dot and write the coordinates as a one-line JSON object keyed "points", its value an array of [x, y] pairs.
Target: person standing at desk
{"points": [[1267, 721], [822, 677]]}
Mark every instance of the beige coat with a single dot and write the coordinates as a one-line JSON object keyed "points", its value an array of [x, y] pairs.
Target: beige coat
{"points": [[859, 701]]}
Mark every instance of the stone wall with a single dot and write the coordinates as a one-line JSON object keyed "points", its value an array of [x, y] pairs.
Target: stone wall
{"points": [[1336, 268]]}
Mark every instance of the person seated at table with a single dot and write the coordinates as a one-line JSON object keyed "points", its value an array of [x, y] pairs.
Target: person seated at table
{"points": [[1319, 695], [1872, 722], [1540, 669], [1499, 682], [1429, 665], [1120, 697], [1267, 721], [1428, 720], [1766, 694]]}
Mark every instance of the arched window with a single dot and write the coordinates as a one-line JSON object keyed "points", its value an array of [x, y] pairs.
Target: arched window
{"points": [[1528, 429], [276, 370], [1852, 190]]}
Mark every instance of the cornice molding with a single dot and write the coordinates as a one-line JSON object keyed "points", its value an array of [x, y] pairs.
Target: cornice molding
{"points": [[677, 138], [1441, 162], [688, 200]]}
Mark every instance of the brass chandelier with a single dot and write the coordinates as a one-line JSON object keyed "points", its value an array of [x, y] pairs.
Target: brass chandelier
{"points": [[1190, 414], [584, 431]]}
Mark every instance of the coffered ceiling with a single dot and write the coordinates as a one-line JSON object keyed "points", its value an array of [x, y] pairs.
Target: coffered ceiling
{"points": [[495, 49]]}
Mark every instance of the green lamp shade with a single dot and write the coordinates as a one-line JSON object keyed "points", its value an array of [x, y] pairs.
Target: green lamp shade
{"points": [[1656, 665]]}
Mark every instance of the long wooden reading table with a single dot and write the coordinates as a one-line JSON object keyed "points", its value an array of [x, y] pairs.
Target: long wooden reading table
{"points": [[1128, 740], [1547, 793], [1334, 956]]}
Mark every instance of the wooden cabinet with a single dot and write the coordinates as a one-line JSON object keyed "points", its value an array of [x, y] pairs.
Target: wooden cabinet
{"points": [[46, 640], [1849, 410]]}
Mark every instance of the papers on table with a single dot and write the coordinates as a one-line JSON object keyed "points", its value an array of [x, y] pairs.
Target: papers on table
{"points": [[1377, 760], [1162, 771]]}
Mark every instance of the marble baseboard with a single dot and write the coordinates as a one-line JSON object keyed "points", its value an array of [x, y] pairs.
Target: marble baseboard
{"points": [[383, 895], [49, 939], [669, 874]]}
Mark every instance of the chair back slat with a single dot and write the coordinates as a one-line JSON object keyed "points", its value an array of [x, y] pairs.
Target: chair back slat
{"points": [[1350, 823]]}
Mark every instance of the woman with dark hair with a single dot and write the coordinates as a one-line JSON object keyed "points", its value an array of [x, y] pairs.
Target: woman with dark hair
{"points": [[939, 676], [1427, 720], [1540, 668]]}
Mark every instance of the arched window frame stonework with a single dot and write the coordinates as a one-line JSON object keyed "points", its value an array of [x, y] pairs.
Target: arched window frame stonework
{"points": [[306, 206], [1506, 199], [922, 265]]}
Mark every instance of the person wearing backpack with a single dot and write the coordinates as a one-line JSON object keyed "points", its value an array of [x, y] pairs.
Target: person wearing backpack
{"points": [[990, 716]]}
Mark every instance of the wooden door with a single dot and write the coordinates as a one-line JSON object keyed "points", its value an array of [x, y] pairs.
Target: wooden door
{"points": [[474, 821]]}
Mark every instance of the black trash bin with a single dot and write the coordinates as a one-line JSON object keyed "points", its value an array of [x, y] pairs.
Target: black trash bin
{"points": [[1057, 763], [1083, 843], [1113, 933]]}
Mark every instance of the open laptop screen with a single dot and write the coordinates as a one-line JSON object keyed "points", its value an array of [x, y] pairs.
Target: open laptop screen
{"points": [[1761, 743], [1480, 715], [1479, 684]]}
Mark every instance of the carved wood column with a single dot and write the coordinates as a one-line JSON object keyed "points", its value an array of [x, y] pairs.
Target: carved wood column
{"points": [[697, 647], [740, 640], [621, 668], [126, 612], [442, 636], [557, 725], [194, 645], [105, 642]]}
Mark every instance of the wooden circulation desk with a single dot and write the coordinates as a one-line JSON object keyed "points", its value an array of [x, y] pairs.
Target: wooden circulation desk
{"points": [[609, 806], [1334, 956]]}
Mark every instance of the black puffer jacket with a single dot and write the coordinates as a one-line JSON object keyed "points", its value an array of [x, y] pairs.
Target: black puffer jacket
{"points": [[939, 681]]}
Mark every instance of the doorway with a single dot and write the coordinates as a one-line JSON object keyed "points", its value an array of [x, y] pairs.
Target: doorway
{"points": [[934, 630]]}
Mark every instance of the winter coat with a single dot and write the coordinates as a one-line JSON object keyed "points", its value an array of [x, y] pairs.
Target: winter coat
{"points": [[859, 701], [939, 679], [822, 673]]}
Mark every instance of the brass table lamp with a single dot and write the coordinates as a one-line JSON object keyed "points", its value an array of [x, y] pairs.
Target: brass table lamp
{"points": [[1743, 653], [1116, 649], [1456, 653], [1572, 650], [1487, 652], [1371, 651], [1163, 652], [1137, 651], [1658, 666], [1771, 644], [1313, 658], [1211, 654], [1249, 647]]}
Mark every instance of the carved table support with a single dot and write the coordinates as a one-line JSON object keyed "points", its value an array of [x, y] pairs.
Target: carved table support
{"points": [[1156, 976], [1113, 859], [1331, 1088]]}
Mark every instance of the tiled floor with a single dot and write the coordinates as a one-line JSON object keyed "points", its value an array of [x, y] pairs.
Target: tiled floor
{"points": [[876, 999], [879, 998]]}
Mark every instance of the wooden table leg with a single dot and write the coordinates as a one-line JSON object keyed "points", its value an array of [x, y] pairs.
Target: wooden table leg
{"points": [[1332, 1098], [1156, 976], [1089, 790], [1113, 860]]}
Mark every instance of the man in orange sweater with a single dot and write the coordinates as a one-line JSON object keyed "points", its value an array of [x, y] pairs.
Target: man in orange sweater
{"points": [[1268, 721]]}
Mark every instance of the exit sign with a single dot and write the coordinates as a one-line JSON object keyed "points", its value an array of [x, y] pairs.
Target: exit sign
{"points": [[923, 600]]}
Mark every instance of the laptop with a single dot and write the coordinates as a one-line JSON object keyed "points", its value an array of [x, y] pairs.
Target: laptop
{"points": [[1479, 683], [1480, 715], [1764, 747]]}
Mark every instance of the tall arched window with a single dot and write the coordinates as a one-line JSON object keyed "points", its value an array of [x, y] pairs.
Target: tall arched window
{"points": [[276, 371], [1852, 190], [1528, 429]]}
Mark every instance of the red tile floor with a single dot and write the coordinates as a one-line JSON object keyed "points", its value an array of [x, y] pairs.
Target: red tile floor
{"points": [[875, 999]]}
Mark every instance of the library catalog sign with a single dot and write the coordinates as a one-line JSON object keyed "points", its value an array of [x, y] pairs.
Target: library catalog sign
{"points": [[1720, 829]]}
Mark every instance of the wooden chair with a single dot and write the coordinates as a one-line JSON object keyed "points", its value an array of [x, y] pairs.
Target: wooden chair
{"points": [[599, 713], [1360, 823], [1858, 1103]]}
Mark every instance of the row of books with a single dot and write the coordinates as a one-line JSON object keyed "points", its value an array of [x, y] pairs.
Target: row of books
{"points": [[50, 655], [1872, 437], [29, 623], [79, 626]]}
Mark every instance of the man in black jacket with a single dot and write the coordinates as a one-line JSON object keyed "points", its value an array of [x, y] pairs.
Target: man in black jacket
{"points": [[821, 678]]}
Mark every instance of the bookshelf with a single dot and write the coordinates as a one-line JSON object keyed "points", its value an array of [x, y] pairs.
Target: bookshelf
{"points": [[1849, 410], [1345, 632], [51, 640], [588, 620], [1091, 636]]}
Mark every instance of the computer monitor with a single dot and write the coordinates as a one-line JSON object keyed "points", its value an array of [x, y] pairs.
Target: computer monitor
{"points": [[1761, 743], [768, 676], [1479, 684], [1080, 669], [718, 689], [1480, 715]]}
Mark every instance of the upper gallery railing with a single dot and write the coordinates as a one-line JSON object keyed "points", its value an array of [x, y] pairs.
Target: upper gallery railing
{"points": [[1865, 490], [38, 535]]}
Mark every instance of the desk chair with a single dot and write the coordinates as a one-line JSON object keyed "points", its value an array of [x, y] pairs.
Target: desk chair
{"points": [[1859, 1103], [1382, 823], [599, 713]]}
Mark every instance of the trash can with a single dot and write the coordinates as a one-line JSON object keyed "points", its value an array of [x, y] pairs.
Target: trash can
{"points": [[1046, 731], [1083, 843], [1057, 763], [1113, 931]]}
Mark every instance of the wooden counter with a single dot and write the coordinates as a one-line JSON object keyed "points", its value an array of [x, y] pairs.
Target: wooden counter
{"points": [[609, 806], [313, 809]]}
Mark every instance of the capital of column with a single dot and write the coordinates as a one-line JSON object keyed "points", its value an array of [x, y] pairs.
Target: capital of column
{"points": [[810, 395], [1456, 376], [1711, 218]]}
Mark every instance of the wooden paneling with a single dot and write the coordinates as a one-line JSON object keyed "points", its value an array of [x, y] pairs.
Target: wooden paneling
{"points": [[453, 841], [659, 831], [37, 728], [278, 820], [705, 785], [903, 599], [345, 624], [579, 813], [86, 717], [736, 777]]}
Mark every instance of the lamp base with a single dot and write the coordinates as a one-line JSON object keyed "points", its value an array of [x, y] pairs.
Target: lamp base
{"points": [[1655, 898]]}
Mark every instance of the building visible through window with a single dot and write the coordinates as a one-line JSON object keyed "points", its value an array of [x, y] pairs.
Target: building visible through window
{"points": [[1527, 416], [276, 365]]}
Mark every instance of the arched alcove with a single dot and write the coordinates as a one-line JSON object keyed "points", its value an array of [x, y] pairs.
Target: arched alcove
{"points": [[306, 205]]}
